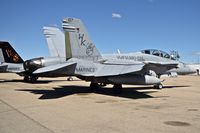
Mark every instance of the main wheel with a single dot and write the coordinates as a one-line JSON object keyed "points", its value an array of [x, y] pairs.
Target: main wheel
{"points": [[117, 88], [102, 84], [158, 86], [26, 78], [30, 79], [94, 86], [33, 79], [69, 78]]}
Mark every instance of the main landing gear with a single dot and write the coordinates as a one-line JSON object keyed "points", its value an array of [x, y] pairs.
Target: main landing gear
{"points": [[117, 88], [69, 78], [94, 86], [30, 79]]}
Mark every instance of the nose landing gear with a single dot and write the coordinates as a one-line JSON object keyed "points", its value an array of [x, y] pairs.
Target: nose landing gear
{"points": [[158, 86]]}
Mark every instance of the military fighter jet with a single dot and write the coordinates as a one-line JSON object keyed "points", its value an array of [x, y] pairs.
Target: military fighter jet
{"points": [[92, 66], [33, 68], [56, 44]]}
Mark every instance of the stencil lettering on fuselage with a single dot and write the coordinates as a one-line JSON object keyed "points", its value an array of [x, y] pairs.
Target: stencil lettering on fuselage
{"points": [[126, 57], [85, 69]]}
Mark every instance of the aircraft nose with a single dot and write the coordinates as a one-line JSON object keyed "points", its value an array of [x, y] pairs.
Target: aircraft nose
{"points": [[192, 69]]}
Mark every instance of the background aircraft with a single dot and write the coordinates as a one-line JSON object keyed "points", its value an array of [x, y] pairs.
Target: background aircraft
{"points": [[33, 68]]}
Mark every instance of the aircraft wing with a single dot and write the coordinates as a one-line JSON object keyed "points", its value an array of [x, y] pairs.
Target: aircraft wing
{"points": [[116, 67], [55, 69]]}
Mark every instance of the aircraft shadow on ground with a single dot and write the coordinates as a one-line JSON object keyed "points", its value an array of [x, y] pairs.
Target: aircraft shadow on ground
{"points": [[130, 92], [81, 90], [37, 82], [177, 86], [21, 81]]}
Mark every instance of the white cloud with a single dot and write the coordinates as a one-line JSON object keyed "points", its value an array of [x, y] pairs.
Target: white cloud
{"points": [[116, 15]]}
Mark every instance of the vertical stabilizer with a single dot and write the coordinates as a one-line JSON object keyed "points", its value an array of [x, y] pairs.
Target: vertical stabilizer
{"points": [[77, 41], [55, 40]]}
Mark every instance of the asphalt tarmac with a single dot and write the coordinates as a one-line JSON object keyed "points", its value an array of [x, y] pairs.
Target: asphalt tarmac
{"points": [[60, 106]]}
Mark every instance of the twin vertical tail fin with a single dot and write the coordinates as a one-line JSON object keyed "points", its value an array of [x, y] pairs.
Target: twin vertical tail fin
{"points": [[55, 40], [8, 54], [77, 41]]}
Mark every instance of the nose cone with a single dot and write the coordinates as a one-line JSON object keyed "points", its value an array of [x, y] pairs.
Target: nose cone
{"points": [[192, 70], [186, 69]]}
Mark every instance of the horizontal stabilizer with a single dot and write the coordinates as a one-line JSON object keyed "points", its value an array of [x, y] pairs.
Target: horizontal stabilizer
{"points": [[53, 68], [3, 68], [11, 67]]}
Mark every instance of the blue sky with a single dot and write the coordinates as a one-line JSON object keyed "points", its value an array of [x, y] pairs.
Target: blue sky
{"points": [[136, 25]]}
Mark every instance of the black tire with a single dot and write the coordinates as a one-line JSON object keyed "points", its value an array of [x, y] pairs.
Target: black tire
{"points": [[94, 86], [158, 86], [26, 78], [117, 88], [30, 79], [69, 79], [33, 79]]}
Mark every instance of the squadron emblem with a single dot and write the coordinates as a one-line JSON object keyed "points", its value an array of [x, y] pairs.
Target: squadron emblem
{"points": [[12, 55], [90, 49]]}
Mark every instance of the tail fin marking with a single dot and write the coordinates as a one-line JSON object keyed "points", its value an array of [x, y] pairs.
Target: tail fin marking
{"points": [[80, 43], [9, 54]]}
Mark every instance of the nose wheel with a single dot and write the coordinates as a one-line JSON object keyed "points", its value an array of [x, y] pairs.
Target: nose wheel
{"points": [[158, 86], [69, 78]]}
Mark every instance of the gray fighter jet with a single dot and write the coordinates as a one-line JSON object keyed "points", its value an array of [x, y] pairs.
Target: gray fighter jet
{"points": [[91, 66], [56, 43], [33, 68]]}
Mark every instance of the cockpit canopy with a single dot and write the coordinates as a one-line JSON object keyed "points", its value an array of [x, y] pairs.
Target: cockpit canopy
{"points": [[158, 53]]}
